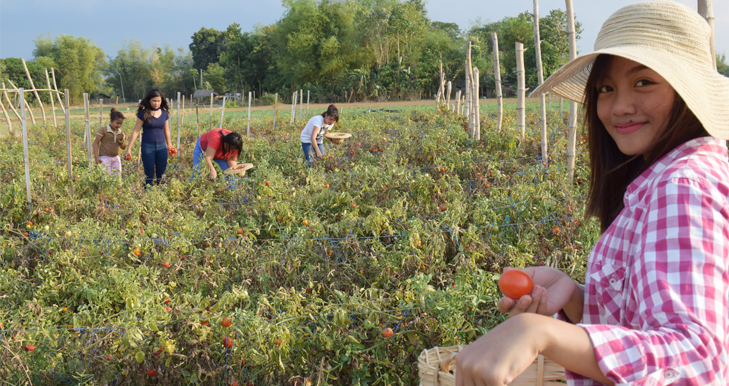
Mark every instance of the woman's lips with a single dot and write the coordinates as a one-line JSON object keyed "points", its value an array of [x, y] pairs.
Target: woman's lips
{"points": [[627, 128]]}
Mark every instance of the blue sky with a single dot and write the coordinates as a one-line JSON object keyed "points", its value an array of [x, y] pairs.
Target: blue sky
{"points": [[108, 24]]}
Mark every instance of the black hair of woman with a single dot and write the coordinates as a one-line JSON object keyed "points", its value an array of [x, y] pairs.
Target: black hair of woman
{"points": [[333, 112], [115, 114], [145, 106], [231, 142], [613, 171]]}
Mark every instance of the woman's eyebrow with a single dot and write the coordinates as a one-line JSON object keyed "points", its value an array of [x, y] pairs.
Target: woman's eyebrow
{"points": [[637, 68]]}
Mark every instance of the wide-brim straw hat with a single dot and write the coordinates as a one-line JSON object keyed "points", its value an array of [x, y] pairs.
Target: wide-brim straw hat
{"points": [[239, 169], [667, 37], [337, 137]]}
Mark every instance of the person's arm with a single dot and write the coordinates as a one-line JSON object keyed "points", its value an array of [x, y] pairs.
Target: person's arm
{"points": [[233, 161], [121, 143], [508, 349], [168, 136], [209, 155], [314, 144], [135, 132], [95, 148]]}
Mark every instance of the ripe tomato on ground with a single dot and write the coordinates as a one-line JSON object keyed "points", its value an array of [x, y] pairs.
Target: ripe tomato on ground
{"points": [[515, 283]]}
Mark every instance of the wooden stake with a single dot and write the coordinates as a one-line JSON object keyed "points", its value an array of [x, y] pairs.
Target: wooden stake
{"points": [[178, 121], [248, 132], [467, 94], [211, 107], [540, 77], [7, 118], [572, 128], [182, 119], [307, 100], [50, 94], [301, 101], [458, 102], [275, 103], [197, 116], [7, 98], [69, 163], [497, 79], [37, 97], [448, 94], [222, 113], [60, 102], [476, 106], [87, 134], [101, 112], [520, 90], [25, 148], [27, 106]]}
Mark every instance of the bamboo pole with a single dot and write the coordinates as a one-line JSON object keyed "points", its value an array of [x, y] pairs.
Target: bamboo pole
{"points": [[50, 95], [520, 90], [308, 94], [101, 112], [458, 102], [179, 124], [476, 106], [7, 98], [572, 128], [706, 10], [37, 97], [55, 87], [69, 162], [466, 92], [222, 113], [7, 118], [248, 132], [497, 80], [197, 116], [25, 149], [561, 108], [182, 119], [540, 77], [87, 133], [301, 101], [211, 107], [27, 106]]}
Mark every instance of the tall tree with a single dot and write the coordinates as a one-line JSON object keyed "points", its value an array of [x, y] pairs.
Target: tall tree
{"points": [[78, 62], [206, 47]]}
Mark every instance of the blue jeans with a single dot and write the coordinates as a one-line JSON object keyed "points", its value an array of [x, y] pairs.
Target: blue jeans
{"points": [[198, 157], [154, 159], [306, 147]]}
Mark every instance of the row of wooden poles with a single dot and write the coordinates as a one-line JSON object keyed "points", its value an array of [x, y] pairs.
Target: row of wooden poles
{"points": [[469, 106]]}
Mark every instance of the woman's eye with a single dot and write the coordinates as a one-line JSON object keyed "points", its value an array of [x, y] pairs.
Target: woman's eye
{"points": [[643, 82], [604, 89]]}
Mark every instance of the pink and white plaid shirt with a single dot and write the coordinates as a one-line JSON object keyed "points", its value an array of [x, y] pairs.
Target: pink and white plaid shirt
{"points": [[657, 285]]}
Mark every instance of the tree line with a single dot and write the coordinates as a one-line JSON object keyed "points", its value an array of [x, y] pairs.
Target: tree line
{"points": [[338, 49]]}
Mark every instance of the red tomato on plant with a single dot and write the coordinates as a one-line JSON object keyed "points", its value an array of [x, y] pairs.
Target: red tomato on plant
{"points": [[515, 283], [152, 372]]}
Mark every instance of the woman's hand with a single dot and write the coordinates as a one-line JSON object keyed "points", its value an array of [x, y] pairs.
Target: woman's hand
{"points": [[319, 155], [98, 160], [128, 154], [502, 354], [553, 290], [213, 174]]}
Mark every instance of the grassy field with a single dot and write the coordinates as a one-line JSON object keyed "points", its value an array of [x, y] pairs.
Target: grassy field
{"points": [[290, 275]]}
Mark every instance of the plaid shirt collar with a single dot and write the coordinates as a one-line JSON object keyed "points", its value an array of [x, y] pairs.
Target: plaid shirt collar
{"points": [[706, 146]]}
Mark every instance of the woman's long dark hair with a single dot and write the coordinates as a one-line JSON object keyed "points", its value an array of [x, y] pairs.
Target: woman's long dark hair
{"points": [[333, 112], [145, 106], [612, 171], [230, 142]]}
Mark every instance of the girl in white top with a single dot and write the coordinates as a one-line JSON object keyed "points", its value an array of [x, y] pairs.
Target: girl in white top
{"points": [[314, 132]]}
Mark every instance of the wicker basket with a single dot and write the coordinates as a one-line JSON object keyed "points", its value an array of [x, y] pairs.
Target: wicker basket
{"points": [[337, 137], [437, 368]]}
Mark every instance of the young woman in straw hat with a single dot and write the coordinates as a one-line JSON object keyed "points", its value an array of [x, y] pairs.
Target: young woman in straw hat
{"points": [[653, 309]]}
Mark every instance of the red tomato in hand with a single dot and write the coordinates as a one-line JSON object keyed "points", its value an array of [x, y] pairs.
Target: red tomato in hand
{"points": [[515, 284]]}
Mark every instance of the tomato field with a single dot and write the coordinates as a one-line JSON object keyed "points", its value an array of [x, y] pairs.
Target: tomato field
{"points": [[337, 274]]}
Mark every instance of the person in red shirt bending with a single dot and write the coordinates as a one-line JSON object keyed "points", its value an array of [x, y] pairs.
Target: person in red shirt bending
{"points": [[219, 145]]}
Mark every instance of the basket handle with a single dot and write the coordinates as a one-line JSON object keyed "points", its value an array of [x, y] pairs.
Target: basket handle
{"points": [[448, 362]]}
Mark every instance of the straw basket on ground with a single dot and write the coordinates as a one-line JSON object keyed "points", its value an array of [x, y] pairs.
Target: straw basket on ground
{"points": [[437, 367], [337, 137], [239, 170]]}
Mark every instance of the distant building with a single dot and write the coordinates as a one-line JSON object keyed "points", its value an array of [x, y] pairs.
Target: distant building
{"points": [[204, 93]]}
